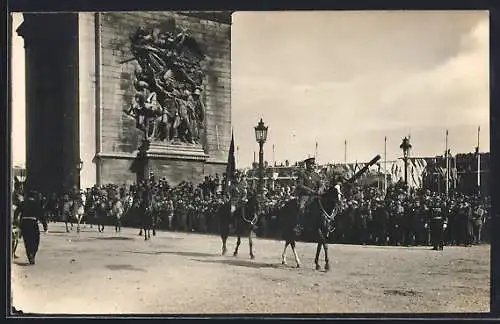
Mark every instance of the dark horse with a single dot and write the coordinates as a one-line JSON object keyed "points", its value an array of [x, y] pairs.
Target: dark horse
{"points": [[318, 221], [146, 218], [244, 219]]}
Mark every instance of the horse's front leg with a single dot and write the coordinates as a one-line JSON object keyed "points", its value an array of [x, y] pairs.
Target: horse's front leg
{"points": [[283, 256], [327, 261], [297, 260], [250, 243], [238, 242], [154, 226], [318, 249], [224, 248]]}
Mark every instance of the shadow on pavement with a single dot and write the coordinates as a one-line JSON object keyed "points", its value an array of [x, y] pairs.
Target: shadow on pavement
{"points": [[22, 264], [402, 292], [124, 267], [188, 254], [243, 263], [391, 247], [113, 238]]}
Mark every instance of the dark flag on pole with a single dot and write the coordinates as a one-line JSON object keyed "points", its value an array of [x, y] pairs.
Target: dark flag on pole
{"points": [[231, 161]]}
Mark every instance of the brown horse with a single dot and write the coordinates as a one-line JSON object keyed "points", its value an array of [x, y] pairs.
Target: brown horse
{"points": [[244, 219]]}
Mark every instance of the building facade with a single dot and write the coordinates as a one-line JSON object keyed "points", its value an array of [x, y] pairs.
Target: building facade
{"points": [[79, 80]]}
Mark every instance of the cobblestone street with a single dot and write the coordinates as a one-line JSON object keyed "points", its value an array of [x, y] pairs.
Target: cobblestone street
{"points": [[102, 273]]}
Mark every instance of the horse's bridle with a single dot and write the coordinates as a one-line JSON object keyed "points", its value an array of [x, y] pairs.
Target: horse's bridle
{"points": [[331, 216], [251, 222]]}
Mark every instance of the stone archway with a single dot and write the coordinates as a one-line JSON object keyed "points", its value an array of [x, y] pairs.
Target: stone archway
{"points": [[52, 124]]}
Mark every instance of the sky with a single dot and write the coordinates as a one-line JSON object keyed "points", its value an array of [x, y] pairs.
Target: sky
{"points": [[327, 77]]}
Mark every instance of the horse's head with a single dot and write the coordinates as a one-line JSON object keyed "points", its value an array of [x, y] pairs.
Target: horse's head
{"points": [[331, 197]]}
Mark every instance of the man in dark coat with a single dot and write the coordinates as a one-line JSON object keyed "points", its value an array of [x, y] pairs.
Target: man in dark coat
{"points": [[30, 211], [43, 217], [464, 217], [437, 223], [381, 219], [308, 187]]}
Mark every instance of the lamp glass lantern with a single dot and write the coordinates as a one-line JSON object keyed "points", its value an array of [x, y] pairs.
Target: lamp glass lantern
{"points": [[79, 165], [260, 132], [405, 146]]}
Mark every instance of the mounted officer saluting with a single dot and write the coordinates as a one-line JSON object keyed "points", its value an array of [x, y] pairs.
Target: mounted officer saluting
{"points": [[309, 186], [237, 192]]}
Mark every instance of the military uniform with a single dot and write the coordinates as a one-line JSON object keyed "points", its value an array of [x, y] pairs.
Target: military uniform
{"points": [[464, 215], [237, 195], [477, 224], [309, 182], [31, 211], [437, 223], [43, 217]]}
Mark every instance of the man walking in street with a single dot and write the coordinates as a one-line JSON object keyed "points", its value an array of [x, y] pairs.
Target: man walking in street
{"points": [[30, 212]]}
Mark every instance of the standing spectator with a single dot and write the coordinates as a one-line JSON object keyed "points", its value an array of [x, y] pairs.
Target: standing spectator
{"points": [[30, 211], [169, 207], [43, 216]]}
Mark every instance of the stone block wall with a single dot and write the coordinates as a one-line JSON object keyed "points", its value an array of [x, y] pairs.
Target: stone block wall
{"points": [[118, 134]]}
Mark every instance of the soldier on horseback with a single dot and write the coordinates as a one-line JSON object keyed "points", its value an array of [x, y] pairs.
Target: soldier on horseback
{"points": [[309, 186], [237, 192]]}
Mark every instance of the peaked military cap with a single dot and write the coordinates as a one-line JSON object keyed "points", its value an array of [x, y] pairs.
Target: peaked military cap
{"points": [[310, 160]]}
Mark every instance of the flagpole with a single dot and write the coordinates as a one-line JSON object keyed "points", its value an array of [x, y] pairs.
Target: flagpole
{"points": [[409, 140], [447, 166], [274, 159], [345, 152], [237, 155], [316, 151], [478, 163], [385, 164], [455, 173]]}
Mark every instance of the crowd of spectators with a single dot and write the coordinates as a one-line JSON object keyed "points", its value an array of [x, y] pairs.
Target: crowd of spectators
{"points": [[399, 217]]}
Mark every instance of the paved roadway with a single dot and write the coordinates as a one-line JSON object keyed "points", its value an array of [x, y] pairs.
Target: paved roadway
{"points": [[92, 273]]}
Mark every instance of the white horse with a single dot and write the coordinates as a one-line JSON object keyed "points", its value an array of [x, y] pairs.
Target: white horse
{"points": [[79, 210], [128, 202], [117, 210], [66, 214]]}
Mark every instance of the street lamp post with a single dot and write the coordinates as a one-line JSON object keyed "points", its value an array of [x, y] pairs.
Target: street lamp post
{"points": [[79, 167], [405, 146], [260, 137]]}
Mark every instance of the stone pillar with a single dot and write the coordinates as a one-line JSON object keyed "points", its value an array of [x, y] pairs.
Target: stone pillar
{"points": [[51, 100], [87, 97]]}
